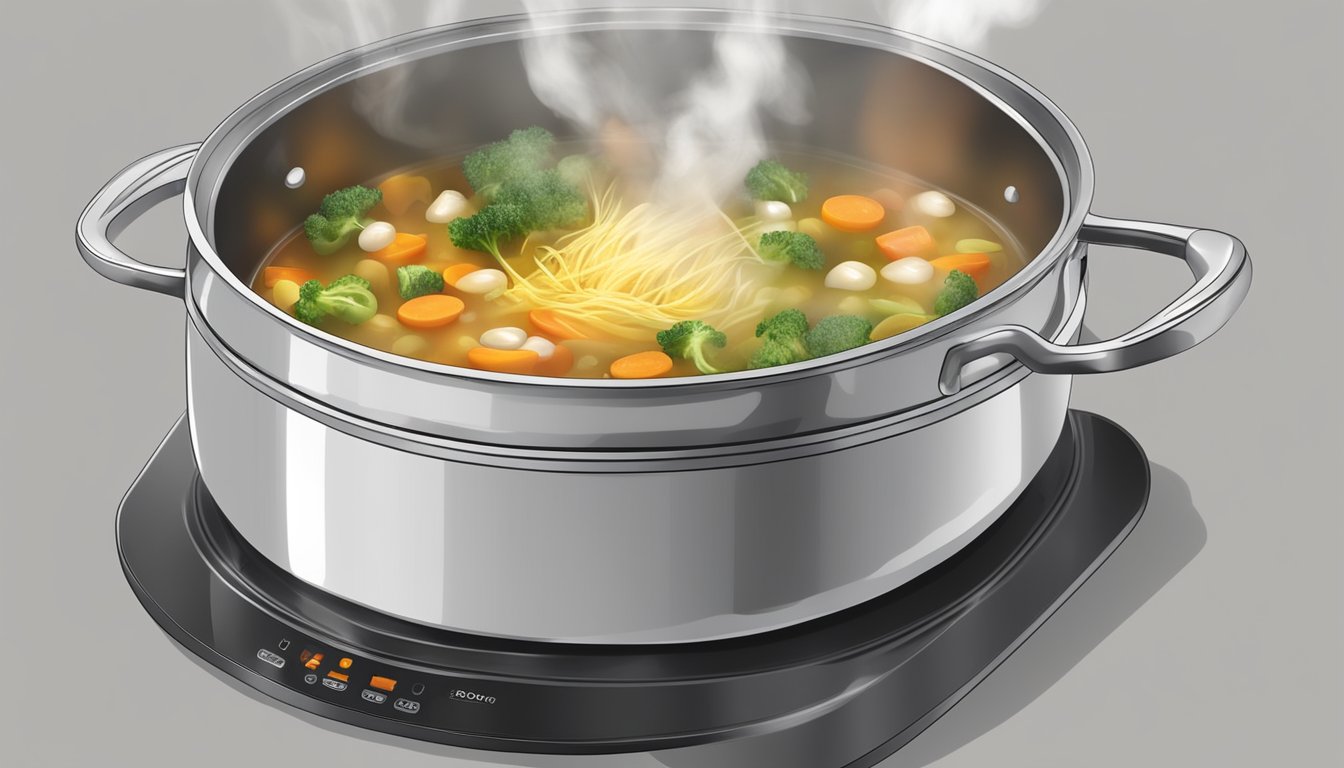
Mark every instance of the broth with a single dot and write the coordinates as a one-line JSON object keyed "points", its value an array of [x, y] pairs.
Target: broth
{"points": [[764, 289]]}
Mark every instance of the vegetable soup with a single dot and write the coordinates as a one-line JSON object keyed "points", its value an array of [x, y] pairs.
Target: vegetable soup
{"points": [[530, 257]]}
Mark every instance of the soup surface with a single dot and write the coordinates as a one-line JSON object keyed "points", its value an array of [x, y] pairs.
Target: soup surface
{"points": [[535, 258]]}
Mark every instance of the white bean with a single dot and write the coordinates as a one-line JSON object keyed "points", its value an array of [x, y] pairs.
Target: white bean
{"points": [[767, 295], [377, 236], [910, 270], [482, 281], [812, 226], [543, 347], [504, 338], [409, 345], [853, 305], [449, 205], [375, 272], [851, 276], [977, 245], [794, 295], [383, 323], [934, 203], [285, 293], [773, 210]]}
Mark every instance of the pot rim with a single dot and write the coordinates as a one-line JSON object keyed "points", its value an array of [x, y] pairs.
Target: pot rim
{"points": [[279, 99]]}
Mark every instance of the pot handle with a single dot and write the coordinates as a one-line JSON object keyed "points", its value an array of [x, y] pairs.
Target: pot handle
{"points": [[139, 187], [1222, 273]]}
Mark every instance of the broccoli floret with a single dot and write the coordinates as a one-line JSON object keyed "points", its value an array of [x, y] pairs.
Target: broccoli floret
{"points": [[959, 289], [784, 335], [770, 180], [575, 169], [350, 280], [523, 153], [787, 326], [797, 248], [341, 214], [545, 199], [689, 339], [348, 298], [837, 333], [418, 280], [484, 230]]}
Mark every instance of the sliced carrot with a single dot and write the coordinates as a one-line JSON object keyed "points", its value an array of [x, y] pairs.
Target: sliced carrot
{"points": [[557, 325], [974, 264], [456, 272], [641, 365], [405, 249], [503, 360], [907, 241], [432, 311], [272, 275], [852, 213], [400, 192], [558, 364]]}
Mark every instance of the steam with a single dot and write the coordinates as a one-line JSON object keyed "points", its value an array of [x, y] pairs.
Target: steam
{"points": [[963, 23], [717, 134], [706, 137], [316, 30], [698, 143]]}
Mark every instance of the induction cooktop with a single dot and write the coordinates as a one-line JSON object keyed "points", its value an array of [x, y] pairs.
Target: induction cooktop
{"points": [[846, 690]]}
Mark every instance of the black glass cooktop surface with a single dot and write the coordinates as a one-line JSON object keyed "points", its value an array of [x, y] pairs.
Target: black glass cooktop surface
{"points": [[853, 686]]}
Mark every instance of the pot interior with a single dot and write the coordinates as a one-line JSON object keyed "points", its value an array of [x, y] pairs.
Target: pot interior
{"points": [[876, 96]]}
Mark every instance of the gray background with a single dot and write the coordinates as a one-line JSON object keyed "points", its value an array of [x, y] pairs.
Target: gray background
{"points": [[1213, 637]]}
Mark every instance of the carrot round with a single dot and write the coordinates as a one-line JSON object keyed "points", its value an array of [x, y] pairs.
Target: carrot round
{"points": [[405, 249], [558, 364], [974, 264], [503, 360], [458, 271], [852, 213], [556, 325], [400, 192], [432, 311], [641, 365], [272, 275], [907, 241]]}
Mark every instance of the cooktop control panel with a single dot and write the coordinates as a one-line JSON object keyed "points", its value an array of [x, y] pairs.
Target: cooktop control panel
{"points": [[342, 678], [352, 681]]}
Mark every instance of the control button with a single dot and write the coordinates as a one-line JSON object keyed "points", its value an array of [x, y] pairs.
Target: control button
{"points": [[374, 696], [345, 663], [273, 659], [417, 689], [310, 678], [334, 675], [284, 645], [382, 683], [335, 685], [407, 706]]}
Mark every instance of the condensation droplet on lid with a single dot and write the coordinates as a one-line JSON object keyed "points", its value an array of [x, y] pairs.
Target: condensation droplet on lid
{"points": [[1011, 195], [295, 178]]}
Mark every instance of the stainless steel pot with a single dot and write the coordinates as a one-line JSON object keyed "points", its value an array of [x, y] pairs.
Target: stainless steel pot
{"points": [[636, 511]]}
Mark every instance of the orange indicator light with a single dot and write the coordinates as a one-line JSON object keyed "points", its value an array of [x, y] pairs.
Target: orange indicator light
{"points": [[334, 675], [382, 683], [346, 662], [314, 662]]}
